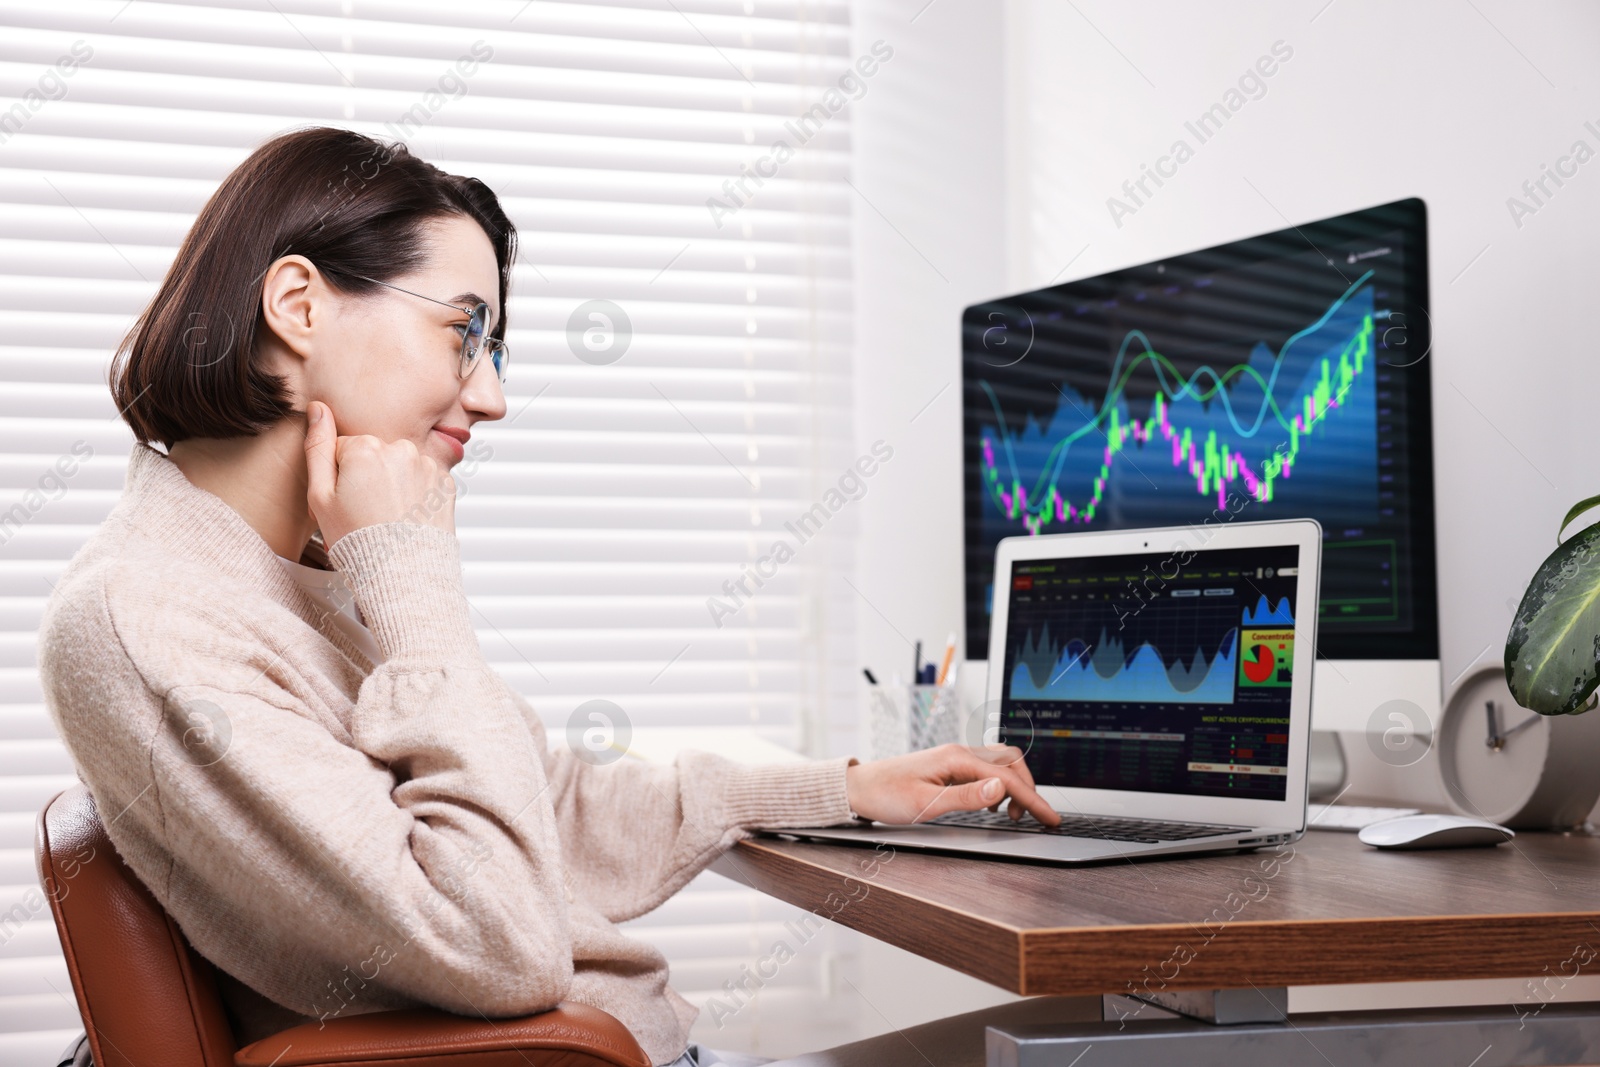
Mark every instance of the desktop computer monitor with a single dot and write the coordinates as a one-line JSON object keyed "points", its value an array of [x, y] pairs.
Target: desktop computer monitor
{"points": [[1280, 376]]}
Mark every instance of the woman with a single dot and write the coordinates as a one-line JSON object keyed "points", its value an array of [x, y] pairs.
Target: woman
{"points": [[264, 665]]}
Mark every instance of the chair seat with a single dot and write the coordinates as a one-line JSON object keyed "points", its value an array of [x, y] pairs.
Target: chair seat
{"points": [[568, 1035], [148, 998]]}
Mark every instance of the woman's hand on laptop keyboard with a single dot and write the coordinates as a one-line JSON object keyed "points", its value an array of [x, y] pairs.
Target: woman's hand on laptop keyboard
{"points": [[923, 785]]}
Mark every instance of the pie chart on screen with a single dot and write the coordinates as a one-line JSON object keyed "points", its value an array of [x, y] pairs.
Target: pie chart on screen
{"points": [[1259, 664]]}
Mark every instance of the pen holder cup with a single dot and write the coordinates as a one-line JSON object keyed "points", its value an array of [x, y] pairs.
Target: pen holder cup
{"points": [[910, 717]]}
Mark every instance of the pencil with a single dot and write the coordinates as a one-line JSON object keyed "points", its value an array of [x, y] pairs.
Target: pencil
{"points": [[949, 654]]}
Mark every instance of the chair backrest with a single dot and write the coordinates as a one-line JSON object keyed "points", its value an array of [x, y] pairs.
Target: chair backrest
{"points": [[146, 997]]}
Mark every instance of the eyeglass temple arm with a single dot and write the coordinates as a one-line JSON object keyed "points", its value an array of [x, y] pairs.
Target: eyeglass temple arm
{"points": [[487, 334]]}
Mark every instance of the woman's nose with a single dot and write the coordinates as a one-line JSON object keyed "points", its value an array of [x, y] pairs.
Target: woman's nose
{"points": [[482, 394]]}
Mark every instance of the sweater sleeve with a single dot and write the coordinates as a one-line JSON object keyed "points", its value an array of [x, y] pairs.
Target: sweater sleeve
{"points": [[637, 832], [414, 860]]}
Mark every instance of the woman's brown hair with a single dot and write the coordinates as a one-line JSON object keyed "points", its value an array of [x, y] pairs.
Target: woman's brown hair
{"points": [[190, 366]]}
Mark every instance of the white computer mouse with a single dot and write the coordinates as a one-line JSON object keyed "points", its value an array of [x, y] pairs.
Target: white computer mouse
{"points": [[1433, 831]]}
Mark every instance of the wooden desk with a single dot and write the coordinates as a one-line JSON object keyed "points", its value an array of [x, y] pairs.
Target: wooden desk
{"points": [[1324, 910]]}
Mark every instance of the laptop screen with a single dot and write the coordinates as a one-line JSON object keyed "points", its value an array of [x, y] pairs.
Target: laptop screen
{"points": [[1160, 673]]}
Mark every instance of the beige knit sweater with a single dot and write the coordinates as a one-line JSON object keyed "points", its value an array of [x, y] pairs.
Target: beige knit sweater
{"points": [[341, 838]]}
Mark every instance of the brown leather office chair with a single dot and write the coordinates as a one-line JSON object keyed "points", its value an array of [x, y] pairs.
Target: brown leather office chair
{"points": [[149, 1000]]}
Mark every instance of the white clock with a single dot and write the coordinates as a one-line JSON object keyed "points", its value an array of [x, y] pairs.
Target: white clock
{"points": [[1512, 766]]}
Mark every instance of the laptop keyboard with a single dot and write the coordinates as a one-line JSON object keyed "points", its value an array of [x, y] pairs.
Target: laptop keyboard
{"points": [[1140, 831]]}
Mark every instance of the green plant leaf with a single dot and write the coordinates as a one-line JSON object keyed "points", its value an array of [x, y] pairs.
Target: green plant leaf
{"points": [[1577, 509], [1554, 644]]}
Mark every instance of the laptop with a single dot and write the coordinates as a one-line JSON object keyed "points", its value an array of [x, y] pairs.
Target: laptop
{"points": [[1158, 684]]}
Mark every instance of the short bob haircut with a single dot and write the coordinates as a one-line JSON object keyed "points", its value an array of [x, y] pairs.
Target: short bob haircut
{"points": [[191, 365]]}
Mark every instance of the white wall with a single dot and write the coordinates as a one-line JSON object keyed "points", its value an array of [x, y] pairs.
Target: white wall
{"points": [[930, 231]]}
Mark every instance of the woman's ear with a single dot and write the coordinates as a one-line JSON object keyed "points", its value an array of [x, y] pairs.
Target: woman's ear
{"points": [[290, 295]]}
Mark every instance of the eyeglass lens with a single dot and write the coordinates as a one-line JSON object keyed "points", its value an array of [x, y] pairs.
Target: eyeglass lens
{"points": [[472, 339], [472, 342]]}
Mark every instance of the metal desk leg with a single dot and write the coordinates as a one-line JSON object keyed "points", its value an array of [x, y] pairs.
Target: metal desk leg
{"points": [[1565, 1035]]}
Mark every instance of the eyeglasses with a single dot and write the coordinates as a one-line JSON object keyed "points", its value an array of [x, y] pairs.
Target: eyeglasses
{"points": [[474, 332]]}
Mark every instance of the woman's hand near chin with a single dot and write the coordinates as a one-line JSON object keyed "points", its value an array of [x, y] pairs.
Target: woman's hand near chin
{"points": [[923, 785], [364, 480]]}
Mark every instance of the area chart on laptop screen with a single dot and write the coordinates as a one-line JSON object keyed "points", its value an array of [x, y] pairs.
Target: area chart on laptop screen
{"points": [[1126, 669], [1179, 684]]}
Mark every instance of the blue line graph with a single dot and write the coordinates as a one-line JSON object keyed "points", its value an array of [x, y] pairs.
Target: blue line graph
{"points": [[1297, 427]]}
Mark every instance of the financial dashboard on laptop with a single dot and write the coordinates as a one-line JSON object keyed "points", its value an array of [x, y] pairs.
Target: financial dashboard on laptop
{"points": [[1154, 672]]}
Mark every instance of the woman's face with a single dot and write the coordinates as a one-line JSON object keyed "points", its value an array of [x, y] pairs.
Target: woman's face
{"points": [[388, 363]]}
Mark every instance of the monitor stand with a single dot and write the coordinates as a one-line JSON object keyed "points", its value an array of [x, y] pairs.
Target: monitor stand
{"points": [[1327, 770]]}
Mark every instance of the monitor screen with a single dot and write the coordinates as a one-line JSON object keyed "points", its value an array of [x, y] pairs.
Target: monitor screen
{"points": [[1153, 672], [1277, 377]]}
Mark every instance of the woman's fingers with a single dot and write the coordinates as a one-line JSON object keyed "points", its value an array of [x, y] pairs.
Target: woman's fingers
{"points": [[967, 796], [362, 480], [923, 785], [972, 769], [1009, 758], [1015, 757], [1024, 795], [321, 469]]}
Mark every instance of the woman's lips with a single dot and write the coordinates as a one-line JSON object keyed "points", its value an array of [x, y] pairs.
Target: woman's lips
{"points": [[457, 448]]}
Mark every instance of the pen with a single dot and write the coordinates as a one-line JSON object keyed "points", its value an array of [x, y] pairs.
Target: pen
{"points": [[870, 679]]}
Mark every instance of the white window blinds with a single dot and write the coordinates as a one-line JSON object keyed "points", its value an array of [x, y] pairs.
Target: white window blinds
{"points": [[679, 316]]}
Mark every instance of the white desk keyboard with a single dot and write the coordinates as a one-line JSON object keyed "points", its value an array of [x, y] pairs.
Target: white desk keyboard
{"points": [[1348, 818]]}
